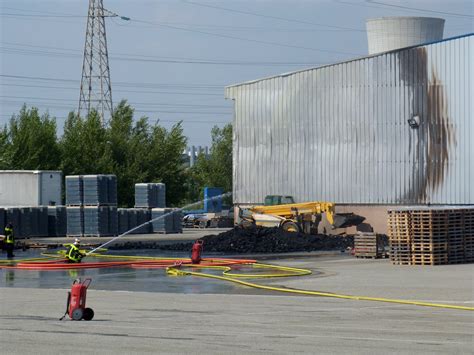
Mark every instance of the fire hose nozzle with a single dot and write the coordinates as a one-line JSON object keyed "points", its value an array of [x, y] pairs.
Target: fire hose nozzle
{"points": [[172, 271]]}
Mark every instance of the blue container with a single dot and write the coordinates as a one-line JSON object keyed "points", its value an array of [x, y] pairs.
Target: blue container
{"points": [[212, 203]]}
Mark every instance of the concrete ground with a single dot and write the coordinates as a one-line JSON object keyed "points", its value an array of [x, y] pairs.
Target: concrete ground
{"points": [[152, 322]]}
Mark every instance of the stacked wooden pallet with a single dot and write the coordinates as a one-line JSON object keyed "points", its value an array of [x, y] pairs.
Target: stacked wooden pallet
{"points": [[431, 236], [400, 236], [429, 239], [469, 236], [368, 245], [456, 236]]}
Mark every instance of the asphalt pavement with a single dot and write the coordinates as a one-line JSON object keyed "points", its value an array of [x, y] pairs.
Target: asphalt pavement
{"points": [[129, 320]]}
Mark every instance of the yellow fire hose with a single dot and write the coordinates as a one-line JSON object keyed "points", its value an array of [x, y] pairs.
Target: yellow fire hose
{"points": [[178, 272], [230, 275]]}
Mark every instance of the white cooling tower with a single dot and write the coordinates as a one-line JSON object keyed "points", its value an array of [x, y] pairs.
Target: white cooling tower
{"points": [[389, 33]]}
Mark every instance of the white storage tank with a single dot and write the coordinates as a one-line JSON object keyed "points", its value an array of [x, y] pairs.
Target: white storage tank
{"points": [[388, 33], [30, 188]]}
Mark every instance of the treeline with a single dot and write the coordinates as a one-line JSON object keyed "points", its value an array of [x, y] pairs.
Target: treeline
{"points": [[134, 150]]}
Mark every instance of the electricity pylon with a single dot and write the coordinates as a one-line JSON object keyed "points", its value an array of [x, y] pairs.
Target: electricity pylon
{"points": [[96, 89]]}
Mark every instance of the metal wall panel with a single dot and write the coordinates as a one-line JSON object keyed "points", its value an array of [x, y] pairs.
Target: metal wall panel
{"points": [[340, 133]]}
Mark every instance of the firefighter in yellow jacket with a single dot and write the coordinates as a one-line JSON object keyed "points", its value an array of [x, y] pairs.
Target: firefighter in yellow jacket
{"points": [[73, 254], [9, 240]]}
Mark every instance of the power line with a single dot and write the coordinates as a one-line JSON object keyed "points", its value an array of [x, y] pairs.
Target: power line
{"points": [[38, 11], [229, 36], [42, 16], [270, 16], [117, 90], [222, 27], [244, 39], [122, 83], [146, 58], [131, 103], [419, 9]]}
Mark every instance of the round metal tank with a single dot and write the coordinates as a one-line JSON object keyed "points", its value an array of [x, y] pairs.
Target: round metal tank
{"points": [[388, 33]]}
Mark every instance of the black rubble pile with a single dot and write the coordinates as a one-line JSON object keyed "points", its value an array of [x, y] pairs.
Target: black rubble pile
{"points": [[252, 240], [272, 240]]}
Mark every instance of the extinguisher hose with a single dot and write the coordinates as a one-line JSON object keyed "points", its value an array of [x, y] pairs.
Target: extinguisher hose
{"points": [[178, 272], [67, 305]]}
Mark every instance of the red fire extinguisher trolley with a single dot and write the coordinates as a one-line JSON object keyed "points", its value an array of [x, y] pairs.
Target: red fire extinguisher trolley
{"points": [[197, 251], [76, 301]]}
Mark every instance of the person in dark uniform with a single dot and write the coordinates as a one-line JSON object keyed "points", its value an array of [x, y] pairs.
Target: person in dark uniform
{"points": [[9, 240]]}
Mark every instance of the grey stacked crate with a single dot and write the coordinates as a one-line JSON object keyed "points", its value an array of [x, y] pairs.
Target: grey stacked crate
{"points": [[150, 195], [138, 217], [99, 191], [161, 188], [13, 216], [28, 222], [111, 189], [57, 221], [74, 190], [3, 221], [144, 196], [123, 225], [113, 220], [43, 221], [75, 221], [96, 221], [178, 221], [96, 190], [161, 220], [144, 216], [166, 220], [132, 219]]}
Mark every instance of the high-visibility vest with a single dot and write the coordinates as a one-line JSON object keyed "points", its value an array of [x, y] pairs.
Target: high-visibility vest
{"points": [[10, 239], [74, 254]]}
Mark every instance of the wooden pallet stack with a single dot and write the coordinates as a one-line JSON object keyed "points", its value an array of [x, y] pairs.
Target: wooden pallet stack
{"points": [[400, 237], [456, 236], [431, 236], [469, 235], [368, 245]]}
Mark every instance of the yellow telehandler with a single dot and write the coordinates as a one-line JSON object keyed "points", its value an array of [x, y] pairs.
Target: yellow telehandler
{"points": [[296, 217]]}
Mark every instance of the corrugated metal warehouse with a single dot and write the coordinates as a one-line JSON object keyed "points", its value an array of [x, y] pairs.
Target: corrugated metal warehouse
{"points": [[341, 132]]}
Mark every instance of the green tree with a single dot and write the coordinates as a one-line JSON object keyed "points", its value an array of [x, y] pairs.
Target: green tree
{"points": [[129, 148], [166, 153], [30, 142], [215, 170], [4, 149], [146, 153], [85, 148]]}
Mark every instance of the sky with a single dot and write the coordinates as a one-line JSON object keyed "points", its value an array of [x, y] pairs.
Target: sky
{"points": [[172, 60]]}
